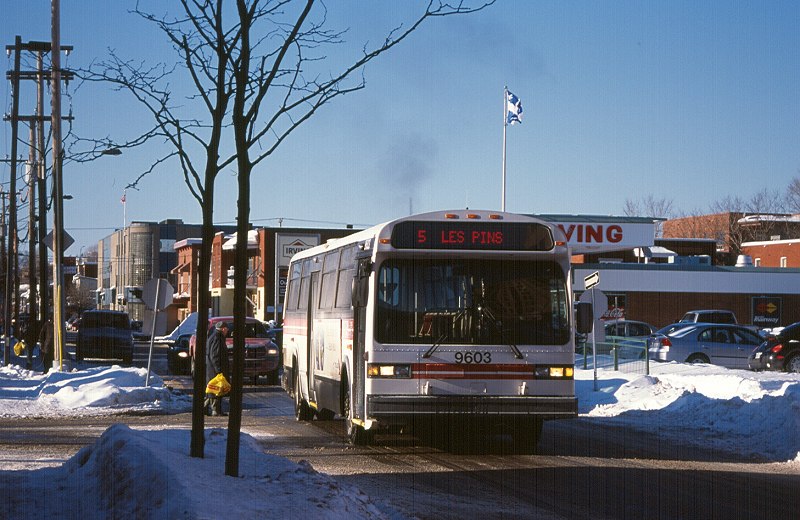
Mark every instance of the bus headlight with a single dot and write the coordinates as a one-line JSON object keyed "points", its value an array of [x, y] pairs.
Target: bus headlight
{"points": [[388, 371], [545, 372]]}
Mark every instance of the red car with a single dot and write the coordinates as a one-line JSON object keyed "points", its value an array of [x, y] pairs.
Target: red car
{"points": [[260, 352]]}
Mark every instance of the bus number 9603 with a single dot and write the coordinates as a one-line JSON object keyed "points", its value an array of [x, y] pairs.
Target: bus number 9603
{"points": [[473, 357]]}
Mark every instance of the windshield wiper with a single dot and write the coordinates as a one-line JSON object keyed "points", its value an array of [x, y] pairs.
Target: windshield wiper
{"points": [[428, 353], [486, 315]]}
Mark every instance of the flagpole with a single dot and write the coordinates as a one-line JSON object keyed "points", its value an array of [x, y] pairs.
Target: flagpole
{"points": [[505, 124]]}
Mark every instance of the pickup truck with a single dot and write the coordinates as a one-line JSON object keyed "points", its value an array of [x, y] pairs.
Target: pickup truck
{"points": [[709, 316]]}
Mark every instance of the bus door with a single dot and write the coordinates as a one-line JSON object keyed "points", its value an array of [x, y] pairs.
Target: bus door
{"points": [[360, 296], [311, 347]]}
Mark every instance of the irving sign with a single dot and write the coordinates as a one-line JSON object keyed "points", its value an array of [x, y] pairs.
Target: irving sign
{"points": [[288, 245]]}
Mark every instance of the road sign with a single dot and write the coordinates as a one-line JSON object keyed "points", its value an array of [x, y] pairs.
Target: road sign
{"points": [[151, 290], [68, 241], [591, 280]]}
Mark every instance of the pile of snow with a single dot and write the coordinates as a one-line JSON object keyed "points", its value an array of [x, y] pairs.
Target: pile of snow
{"points": [[148, 474], [94, 391], [754, 414]]}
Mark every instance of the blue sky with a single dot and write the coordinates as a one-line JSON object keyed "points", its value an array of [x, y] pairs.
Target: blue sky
{"points": [[689, 101]]}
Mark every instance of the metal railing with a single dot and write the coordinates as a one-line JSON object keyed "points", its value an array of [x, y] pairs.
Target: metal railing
{"points": [[617, 352]]}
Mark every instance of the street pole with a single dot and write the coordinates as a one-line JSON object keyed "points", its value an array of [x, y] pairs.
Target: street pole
{"points": [[33, 319], [58, 189], [12, 189], [41, 180]]}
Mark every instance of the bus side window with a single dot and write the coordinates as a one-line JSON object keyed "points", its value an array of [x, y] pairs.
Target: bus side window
{"points": [[329, 271], [294, 287], [347, 271]]}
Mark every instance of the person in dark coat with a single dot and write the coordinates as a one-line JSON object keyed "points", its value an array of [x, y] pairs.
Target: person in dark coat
{"points": [[46, 345], [216, 362]]}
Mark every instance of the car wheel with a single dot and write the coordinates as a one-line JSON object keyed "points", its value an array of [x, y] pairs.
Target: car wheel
{"points": [[697, 358], [793, 364], [191, 367], [356, 434], [302, 412], [272, 377]]}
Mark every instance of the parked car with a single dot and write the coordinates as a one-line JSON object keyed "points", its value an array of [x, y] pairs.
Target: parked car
{"points": [[716, 343], [709, 316], [138, 333], [261, 356], [672, 327], [779, 351], [629, 328], [630, 337], [178, 359], [104, 334]]}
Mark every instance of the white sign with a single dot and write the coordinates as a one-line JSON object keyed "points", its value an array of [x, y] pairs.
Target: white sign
{"points": [[287, 246], [593, 237], [591, 280], [160, 287]]}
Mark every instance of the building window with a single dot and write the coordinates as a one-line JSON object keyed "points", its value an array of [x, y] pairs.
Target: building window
{"points": [[783, 261], [757, 262]]}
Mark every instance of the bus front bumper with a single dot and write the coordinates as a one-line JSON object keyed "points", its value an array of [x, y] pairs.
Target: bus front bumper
{"points": [[393, 408]]}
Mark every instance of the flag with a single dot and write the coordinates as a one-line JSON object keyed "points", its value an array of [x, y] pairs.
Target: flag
{"points": [[122, 200], [513, 109]]}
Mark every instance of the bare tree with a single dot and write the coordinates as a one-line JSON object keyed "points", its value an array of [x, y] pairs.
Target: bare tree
{"points": [[262, 62], [793, 196], [649, 206]]}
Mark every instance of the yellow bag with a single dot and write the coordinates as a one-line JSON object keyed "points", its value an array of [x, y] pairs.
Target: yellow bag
{"points": [[19, 348], [218, 386]]}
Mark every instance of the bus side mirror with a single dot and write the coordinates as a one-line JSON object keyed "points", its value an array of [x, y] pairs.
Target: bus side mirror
{"points": [[584, 316], [360, 290]]}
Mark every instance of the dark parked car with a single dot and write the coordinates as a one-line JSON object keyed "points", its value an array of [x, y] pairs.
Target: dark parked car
{"points": [[716, 343], [629, 337], [178, 360], [105, 334], [778, 352]]}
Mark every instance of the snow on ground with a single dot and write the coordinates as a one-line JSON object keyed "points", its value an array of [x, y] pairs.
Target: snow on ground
{"points": [[754, 414], [148, 474]]}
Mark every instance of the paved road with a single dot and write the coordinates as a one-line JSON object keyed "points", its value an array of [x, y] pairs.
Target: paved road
{"points": [[584, 468]]}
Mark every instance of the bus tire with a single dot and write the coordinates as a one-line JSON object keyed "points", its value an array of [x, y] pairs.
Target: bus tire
{"points": [[356, 434], [302, 412]]}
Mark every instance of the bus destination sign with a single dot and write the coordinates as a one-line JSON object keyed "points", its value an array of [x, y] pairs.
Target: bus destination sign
{"points": [[492, 236]]}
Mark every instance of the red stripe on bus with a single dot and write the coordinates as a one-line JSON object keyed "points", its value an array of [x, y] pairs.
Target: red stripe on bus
{"points": [[476, 371]]}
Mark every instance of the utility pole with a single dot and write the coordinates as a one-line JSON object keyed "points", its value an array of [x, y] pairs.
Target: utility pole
{"points": [[32, 327], [12, 271], [58, 187], [12, 220], [41, 178]]}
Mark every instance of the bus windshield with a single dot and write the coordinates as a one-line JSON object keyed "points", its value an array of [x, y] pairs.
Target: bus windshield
{"points": [[471, 302]]}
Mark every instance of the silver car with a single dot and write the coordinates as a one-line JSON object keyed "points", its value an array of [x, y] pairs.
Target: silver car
{"points": [[719, 344]]}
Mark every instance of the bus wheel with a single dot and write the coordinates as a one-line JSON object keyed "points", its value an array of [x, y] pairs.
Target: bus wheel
{"points": [[356, 434], [302, 412], [323, 414]]}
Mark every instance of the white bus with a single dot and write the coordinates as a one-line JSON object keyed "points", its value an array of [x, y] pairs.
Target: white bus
{"points": [[446, 319]]}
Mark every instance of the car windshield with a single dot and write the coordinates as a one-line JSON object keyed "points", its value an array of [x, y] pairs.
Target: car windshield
{"points": [[105, 319], [471, 302], [252, 329]]}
